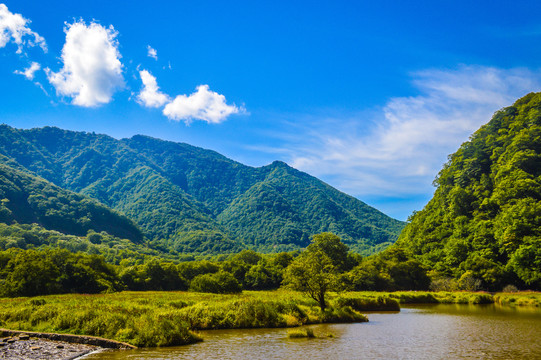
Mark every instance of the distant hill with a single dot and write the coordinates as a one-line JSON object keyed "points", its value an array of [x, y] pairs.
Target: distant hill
{"points": [[193, 200], [484, 222]]}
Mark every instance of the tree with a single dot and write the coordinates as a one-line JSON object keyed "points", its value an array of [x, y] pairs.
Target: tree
{"points": [[220, 283], [338, 252], [316, 271]]}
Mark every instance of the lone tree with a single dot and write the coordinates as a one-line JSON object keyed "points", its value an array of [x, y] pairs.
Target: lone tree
{"points": [[316, 270]]}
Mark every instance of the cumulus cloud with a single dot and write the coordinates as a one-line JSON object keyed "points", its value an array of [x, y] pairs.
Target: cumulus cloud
{"points": [[152, 52], [30, 71], [407, 140], [203, 105], [14, 28], [150, 95], [92, 70]]}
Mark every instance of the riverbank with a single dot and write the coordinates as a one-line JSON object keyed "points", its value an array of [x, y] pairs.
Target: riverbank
{"points": [[29, 348], [148, 319]]}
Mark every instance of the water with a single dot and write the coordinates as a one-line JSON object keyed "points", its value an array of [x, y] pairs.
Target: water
{"points": [[420, 332]]}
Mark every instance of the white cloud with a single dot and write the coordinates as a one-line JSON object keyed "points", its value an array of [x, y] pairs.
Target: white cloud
{"points": [[92, 70], [150, 95], [152, 52], [407, 141], [30, 71], [13, 27], [203, 105]]}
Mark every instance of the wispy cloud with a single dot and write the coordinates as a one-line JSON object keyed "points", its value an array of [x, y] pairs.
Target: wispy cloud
{"points": [[14, 28], [92, 70], [150, 95], [152, 52], [409, 138], [204, 104], [30, 71]]}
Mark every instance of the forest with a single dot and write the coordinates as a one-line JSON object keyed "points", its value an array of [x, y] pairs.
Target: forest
{"points": [[188, 199], [47, 270], [483, 224]]}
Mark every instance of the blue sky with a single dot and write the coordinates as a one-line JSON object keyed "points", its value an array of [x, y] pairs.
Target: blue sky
{"points": [[369, 96]]}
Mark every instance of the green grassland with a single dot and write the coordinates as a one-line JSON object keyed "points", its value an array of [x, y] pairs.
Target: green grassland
{"points": [[173, 318], [166, 318]]}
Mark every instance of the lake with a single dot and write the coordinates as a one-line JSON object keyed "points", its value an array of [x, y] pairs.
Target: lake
{"points": [[416, 332]]}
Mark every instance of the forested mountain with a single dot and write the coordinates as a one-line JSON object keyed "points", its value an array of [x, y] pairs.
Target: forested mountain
{"points": [[484, 222], [191, 200], [28, 199]]}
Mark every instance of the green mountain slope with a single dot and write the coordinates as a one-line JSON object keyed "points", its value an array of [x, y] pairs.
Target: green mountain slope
{"points": [[194, 200], [484, 222], [28, 199]]}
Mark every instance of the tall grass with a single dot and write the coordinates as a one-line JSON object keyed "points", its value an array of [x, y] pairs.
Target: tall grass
{"points": [[170, 318], [164, 318], [518, 299]]}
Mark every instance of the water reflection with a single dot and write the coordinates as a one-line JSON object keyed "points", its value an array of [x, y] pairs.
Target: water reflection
{"points": [[422, 332]]}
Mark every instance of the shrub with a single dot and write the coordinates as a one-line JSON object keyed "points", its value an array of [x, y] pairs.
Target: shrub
{"points": [[379, 303], [219, 283], [510, 289]]}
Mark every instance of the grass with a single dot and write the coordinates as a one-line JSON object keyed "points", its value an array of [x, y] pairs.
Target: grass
{"points": [[518, 299], [525, 298], [300, 333], [148, 319]]}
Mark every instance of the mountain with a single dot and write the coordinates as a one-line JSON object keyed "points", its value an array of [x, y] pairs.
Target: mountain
{"points": [[29, 199], [484, 222], [193, 200]]}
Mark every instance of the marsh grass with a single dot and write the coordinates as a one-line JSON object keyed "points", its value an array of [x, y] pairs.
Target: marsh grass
{"points": [[149, 319], [300, 333], [170, 318], [518, 299]]}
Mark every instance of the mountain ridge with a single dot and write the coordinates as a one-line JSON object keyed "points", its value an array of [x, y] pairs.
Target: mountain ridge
{"points": [[192, 199]]}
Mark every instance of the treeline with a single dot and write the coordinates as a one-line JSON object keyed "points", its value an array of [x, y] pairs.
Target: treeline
{"points": [[51, 271]]}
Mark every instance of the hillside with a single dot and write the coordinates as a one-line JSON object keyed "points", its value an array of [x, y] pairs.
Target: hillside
{"points": [[27, 199], [194, 200], [484, 222]]}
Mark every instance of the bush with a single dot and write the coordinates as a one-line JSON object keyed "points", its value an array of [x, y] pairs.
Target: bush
{"points": [[219, 283], [379, 303], [510, 289]]}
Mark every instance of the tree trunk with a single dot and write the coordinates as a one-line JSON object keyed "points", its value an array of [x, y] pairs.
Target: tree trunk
{"points": [[322, 301]]}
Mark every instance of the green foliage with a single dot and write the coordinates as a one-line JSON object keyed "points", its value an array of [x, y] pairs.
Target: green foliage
{"points": [[379, 303], [391, 270], [115, 250], [163, 318], [185, 199], [31, 273], [518, 299], [300, 333], [219, 283], [153, 275], [483, 225], [316, 270], [29, 199]]}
